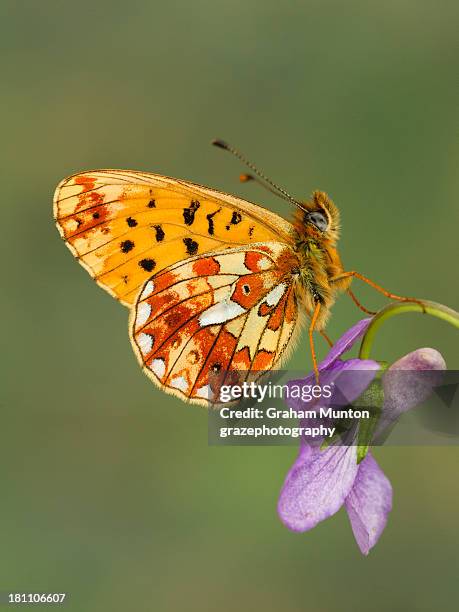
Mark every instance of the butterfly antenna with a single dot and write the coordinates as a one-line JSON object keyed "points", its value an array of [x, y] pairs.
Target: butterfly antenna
{"points": [[265, 181], [245, 178]]}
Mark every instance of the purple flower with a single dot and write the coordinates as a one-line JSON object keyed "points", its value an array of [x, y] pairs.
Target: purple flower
{"points": [[321, 481], [336, 372]]}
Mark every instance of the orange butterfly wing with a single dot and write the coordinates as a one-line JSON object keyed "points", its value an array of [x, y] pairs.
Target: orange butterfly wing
{"points": [[232, 311], [124, 226]]}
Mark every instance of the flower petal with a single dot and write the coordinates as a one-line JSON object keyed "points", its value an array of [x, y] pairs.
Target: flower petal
{"points": [[409, 382], [327, 377], [317, 485], [349, 379], [369, 503], [346, 342], [352, 380]]}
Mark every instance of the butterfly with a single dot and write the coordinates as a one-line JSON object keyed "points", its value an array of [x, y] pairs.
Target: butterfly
{"points": [[216, 285]]}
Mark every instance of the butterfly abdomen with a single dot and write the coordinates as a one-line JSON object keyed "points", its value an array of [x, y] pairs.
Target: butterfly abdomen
{"points": [[314, 288]]}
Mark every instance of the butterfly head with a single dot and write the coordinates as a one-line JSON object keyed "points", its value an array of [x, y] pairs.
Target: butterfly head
{"points": [[318, 219]]}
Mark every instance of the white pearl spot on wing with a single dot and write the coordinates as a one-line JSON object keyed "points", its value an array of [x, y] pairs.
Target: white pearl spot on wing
{"points": [[179, 383], [147, 290], [220, 313], [264, 263], [145, 342], [143, 312], [158, 366], [205, 392], [72, 225], [275, 294]]}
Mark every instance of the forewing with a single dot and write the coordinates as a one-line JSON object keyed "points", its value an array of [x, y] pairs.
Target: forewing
{"points": [[230, 312], [123, 225]]}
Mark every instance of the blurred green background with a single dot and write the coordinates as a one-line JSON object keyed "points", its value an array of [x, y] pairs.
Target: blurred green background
{"points": [[108, 488]]}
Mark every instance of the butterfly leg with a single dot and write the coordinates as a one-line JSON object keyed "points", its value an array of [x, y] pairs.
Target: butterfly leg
{"points": [[312, 325], [327, 339], [323, 334], [358, 304], [392, 296]]}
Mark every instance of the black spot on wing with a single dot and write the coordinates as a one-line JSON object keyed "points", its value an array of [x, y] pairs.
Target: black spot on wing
{"points": [[131, 222], [95, 215], [159, 233], [210, 220], [190, 211], [191, 246], [126, 246], [236, 218], [147, 264], [151, 204]]}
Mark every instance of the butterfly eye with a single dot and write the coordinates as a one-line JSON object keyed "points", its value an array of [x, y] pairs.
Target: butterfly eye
{"points": [[318, 219]]}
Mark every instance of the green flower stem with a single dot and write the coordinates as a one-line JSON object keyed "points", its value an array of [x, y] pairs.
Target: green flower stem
{"points": [[431, 308]]}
